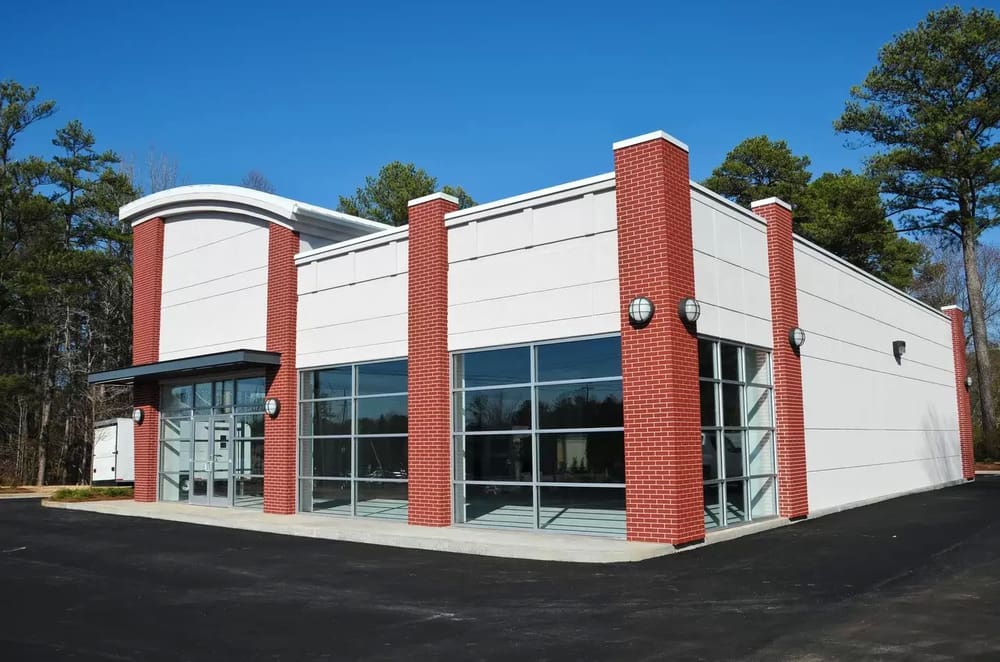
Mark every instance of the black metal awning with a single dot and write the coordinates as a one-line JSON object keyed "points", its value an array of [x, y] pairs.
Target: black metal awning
{"points": [[231, 360]]}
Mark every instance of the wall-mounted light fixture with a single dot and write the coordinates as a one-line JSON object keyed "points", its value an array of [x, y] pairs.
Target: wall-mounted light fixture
{"points": [[137, 416], [968, 381], [689, 310], [898, 348], [272, 406], [796, 337], [640, 311]]}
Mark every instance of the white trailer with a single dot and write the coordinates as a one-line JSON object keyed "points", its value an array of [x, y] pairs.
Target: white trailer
{"points": [[114, 460]]}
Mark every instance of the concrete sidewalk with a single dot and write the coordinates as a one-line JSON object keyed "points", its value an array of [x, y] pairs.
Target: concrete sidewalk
{"points": [[535, 545]]}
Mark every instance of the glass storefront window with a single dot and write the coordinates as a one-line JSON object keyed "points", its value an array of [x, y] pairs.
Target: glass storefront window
{"points": [[539, 440], [353, 422], [738, 462]]}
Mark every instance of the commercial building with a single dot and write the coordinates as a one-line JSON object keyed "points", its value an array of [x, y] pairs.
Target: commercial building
{"points": [[628, 355]]}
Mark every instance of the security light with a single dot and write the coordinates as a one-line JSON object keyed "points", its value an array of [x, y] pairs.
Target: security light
{"points": [[898, 348], [796, 337], [137, 416], [640, 311], [689, 310], [272, 406], [968, 381]]}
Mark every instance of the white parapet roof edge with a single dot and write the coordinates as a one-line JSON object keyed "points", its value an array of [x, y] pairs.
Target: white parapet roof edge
{"points": [[528, 199], [646, 137], [770, 201], [364, 242], [440, 195]]}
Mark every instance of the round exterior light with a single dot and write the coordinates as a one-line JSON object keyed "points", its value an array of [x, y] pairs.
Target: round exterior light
{"points": [[689, 310], [137, 416], [968, 381], [796, 337], [272, 406], [640, 311]]}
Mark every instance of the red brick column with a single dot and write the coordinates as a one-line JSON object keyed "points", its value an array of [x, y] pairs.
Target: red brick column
{"points": [[147, 289], [280, 439], [663, 479], [790, 428], [429, 391], [957, 318]]}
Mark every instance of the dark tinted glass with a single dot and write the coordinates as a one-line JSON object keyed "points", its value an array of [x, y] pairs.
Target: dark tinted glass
{"points": [[707, 404], [713, 513], [587, 405], [248, 456], [331, 457], [248, 425], [329, 383], [330, 496], [709, 455], [730, 357], [326, 418], [382, 457], [250, 394], [494, 367], [506, 506], [203, 396], [582, 457], [582, 359], [731, 414], [586, 509], [706, 358], [389, 377], [498, 457], [382, 500], [732, 444], [736, 502], [497, 409], [177, 397], [383, 415], [224, 392]]}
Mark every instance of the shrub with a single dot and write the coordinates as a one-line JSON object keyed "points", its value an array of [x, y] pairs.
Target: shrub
{"points": [[91, 493]]}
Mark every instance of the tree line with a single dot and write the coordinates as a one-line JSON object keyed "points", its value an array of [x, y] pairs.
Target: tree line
{"points": [[929, 112]]}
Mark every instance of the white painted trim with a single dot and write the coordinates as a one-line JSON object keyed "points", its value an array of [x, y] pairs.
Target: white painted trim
{"points": [[743, 211], [551, 194], [770, 201], [440, 195], [363, 242], [951, 307], [646, 137]]}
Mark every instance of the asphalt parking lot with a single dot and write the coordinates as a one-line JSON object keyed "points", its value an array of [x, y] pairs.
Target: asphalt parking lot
{"points": [[912, 578]]}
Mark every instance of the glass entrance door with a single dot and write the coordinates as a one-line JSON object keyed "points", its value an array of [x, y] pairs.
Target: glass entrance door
{"points": [[211, 461]]}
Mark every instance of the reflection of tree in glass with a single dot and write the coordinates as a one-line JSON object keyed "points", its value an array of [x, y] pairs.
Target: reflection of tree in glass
{"points": [[578, 409], [496, 411]]}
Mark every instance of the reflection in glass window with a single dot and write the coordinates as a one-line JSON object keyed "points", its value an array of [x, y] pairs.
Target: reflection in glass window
{"points": [[541, 454], [353, 423], [738, 461]]}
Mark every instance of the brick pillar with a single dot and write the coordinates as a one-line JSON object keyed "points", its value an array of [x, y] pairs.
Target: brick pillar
{"points": [[957, 318], [147, 288], [280, 440], [793, 498], [663, 479], [429, 390]]}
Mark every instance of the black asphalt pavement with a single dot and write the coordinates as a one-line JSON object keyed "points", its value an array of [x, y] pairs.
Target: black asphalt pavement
{"points": [[908, 579]]}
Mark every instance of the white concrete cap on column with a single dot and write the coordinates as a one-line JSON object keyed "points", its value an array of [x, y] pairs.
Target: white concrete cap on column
{"points": [[440, 195], [770, 201], [951, 307], [646, 137]]}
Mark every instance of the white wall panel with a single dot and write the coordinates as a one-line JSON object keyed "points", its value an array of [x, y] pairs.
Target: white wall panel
{"points": [[874, 426], [535, 274], [730, 272], [214, 294]]}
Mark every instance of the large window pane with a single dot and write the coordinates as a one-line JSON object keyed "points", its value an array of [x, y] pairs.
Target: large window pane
{"points": [[497, 506], [250, 394], [736, 502], [713, 510], [248, 425], [382, 457], [763, 493], [730, 361], [595, 510], [758, 406], [760, 452], [708, 418], [331, 457], [709, 455], [382, 500], [248, 491], [203, 397], [732, 456], [329, 496], [248, 456], [174, 486], [581, 359], [497, 457], [757, 369], [582, 457], [732, 411], [587, 405], [494, 367], [332, 417], [177, 397], [388, 377], [224, 394], [706, 359], [497, 409], [382, 415], [328, 383]]}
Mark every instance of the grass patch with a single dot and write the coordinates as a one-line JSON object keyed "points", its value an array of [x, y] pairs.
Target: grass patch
{"points": [[91, 494], [15, 490]]}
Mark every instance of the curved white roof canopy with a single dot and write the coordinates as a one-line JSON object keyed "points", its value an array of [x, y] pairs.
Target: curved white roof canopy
{"points": [[220, 198]]}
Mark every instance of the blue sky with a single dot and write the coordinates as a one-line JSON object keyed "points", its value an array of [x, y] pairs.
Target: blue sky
{"points": [[500, 98]]}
